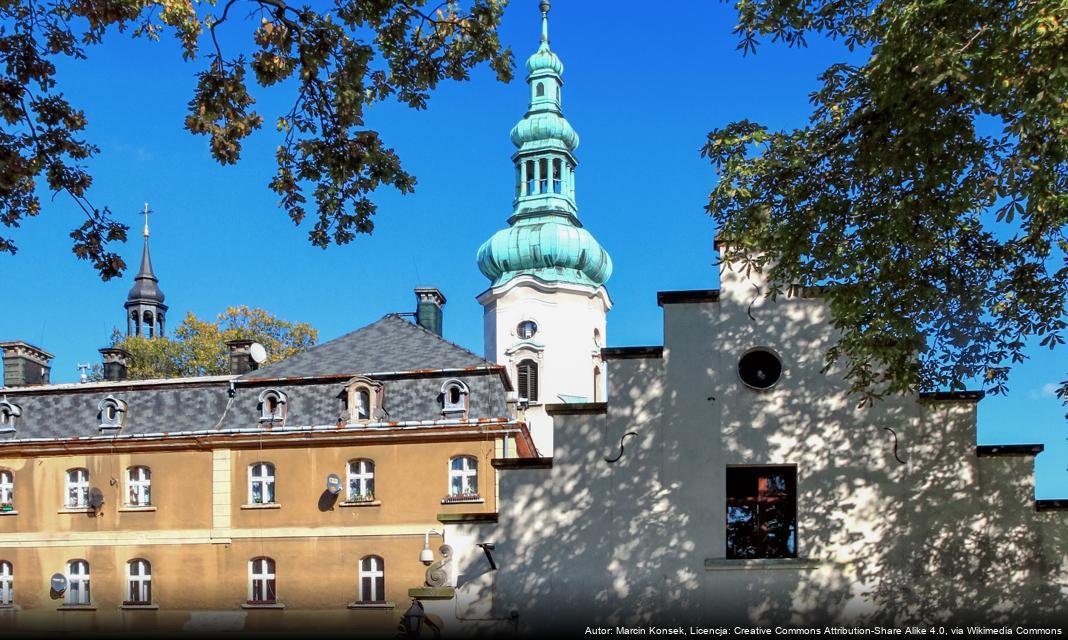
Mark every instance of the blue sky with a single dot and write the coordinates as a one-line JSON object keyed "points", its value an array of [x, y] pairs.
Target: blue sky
{"points": [[642, 91]]}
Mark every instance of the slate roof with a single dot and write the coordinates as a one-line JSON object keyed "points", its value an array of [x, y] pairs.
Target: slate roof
{"points": [[313, 381], [390, 344]]}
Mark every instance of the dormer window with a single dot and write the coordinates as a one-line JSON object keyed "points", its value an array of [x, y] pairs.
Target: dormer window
{"points": [[112, 413], [273, 405], [454, 395], [362, 400], [9, 414]]}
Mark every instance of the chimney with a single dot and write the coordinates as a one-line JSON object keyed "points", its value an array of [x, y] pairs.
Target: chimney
{"points": [[115, 363], [428, 308], [241, 356], [25, 364]]}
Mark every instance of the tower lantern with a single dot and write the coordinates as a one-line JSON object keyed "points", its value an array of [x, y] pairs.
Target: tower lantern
{"points": [[145, 311]]}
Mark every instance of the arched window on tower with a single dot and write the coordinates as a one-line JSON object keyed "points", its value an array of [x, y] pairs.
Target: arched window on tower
{"points": [[527, 380], [539, 90], [149, 324], [530, 177], [543, 176], [557, 176]]}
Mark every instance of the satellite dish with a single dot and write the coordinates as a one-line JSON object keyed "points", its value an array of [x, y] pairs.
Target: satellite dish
{"points": [[59, 583], [333, 484], [258, 353], [96, 498]]}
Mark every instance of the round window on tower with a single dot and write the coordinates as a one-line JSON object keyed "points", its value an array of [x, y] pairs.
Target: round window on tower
{"points": [[527, 329], [760, 369]]}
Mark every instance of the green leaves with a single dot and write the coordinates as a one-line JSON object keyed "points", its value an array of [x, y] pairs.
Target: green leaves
{"points": [[929, 191], [337, 60]]}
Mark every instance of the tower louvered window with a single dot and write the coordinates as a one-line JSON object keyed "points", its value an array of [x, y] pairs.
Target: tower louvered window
{"points": [[527, 380]]}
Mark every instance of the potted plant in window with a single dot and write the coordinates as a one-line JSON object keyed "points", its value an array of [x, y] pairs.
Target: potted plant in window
{"points": [[361, 497], [7, 506]]}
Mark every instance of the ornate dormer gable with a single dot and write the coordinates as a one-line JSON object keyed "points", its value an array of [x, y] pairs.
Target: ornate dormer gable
{"points": [[454, 399], [9, 414], [274, 405], [112, 413], [362, 400]]}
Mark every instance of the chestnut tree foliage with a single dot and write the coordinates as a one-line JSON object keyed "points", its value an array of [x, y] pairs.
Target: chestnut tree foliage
{"points": [[927, 196], [339, 56]]}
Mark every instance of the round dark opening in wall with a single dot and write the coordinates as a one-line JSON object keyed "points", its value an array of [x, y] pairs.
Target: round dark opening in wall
{"points": [[760, 369]]}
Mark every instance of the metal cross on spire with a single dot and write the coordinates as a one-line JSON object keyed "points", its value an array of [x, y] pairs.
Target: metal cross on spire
{"points": [[147, 211]]}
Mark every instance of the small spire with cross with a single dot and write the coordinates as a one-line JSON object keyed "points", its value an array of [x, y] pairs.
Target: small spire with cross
{"points": [[147, 211]]}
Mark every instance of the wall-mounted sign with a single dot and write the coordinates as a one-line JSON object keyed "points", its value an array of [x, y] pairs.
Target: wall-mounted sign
{"points": [[333, 483], [59, 583]]}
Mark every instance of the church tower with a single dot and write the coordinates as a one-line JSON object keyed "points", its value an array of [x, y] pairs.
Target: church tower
{"points": [[544, 313], [145, 311]]}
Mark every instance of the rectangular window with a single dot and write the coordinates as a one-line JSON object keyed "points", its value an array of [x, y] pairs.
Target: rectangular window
{"points": [[762, 512]]}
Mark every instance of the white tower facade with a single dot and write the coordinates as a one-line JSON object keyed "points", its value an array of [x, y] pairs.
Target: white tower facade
{"points": [[545, 309]]}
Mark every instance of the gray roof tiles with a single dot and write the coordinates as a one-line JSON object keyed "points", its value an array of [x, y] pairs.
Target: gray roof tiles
{"points": [[313, 382]]}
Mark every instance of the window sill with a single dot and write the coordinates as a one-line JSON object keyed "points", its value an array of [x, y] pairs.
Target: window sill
{"points": [[267, 505], [9, 513], [75, 510], [76, 607], [750, 564], [363, 503], [371, 605], [10, 607], [139, 607], [134, 509], [263, 605]]}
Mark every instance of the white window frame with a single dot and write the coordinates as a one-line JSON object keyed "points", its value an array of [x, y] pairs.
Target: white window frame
{"points": [[8, 413], [265, 480], [450, 408], [363, 476], [139, 489], [7, 583], [79, 483], [7, 487], [269, 572], [377, 569], [467, 471], [279, 413], [78, 585], [139, 585]]}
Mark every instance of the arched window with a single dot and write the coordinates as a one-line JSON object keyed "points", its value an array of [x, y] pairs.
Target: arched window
{"points": [[372, 579], [530, 177], [150, 325], [539, 90], [543, 176], [7, 491], [77, 488], [361, 481], [261, 483], [77, 583], [273, 405], [111, 412], [463, 477], [363, 399], [454, 394], [7, 583], [9, 413], [138, 582], [261, 581], [527, 380], [557, 176], [139, 486]]}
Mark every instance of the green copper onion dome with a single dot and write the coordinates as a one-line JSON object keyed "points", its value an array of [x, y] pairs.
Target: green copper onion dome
{"points": [[545, 240]]}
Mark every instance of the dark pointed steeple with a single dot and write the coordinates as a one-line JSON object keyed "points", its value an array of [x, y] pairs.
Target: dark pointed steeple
{"points": [[145, 311]]}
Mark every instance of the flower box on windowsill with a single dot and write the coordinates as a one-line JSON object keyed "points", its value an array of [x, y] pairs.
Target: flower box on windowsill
{"points": [[371, 502], [463, 498], [7, 506]]}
